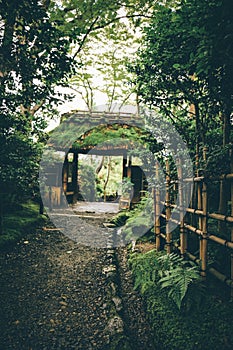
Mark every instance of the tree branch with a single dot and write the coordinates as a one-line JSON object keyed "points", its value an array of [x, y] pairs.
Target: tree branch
{"points": [[85, 36], [118, 18], [93, 28]]}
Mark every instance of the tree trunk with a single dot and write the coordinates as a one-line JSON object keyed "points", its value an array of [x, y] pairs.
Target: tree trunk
{"points": [[100, 165]]}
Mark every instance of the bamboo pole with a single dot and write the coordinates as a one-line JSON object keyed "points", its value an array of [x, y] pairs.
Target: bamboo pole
{"points": [[183, 237], [223, 197], [199, 203], [194, 179], [198, 232], [224, 177], [221, 241], [200, 212], [200, 207], [204, 236], [231, 154], [156, 196], [221, 217], [168, 209], [191, 210], [1, 213], [221, 277]]}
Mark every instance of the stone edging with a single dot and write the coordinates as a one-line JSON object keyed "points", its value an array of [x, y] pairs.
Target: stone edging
{"points": [[115, 328]]}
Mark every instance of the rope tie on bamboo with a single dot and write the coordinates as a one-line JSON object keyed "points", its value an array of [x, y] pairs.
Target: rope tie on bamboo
{"points": [[226, 243]]}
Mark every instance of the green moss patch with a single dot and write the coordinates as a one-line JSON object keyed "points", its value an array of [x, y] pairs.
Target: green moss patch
{"points": [[19, 221]]}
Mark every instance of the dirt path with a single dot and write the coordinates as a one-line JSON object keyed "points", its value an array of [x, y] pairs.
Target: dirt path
{"points": [[55, 294]]}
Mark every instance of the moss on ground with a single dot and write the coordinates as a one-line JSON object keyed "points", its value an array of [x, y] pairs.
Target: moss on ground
{"points": [[18, 221]]}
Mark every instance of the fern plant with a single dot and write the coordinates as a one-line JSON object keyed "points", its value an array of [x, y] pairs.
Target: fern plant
{"points": [[170, 272], [178, 279], [146, 269]]}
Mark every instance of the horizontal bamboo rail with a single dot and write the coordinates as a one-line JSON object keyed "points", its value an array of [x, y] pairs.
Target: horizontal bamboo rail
{"points": [[210, 178], [212, 270], [188, 210], [194, 179], [221, 241], [199, 232], [220, 276], [221, 217], [199, 212], [222, 177]]}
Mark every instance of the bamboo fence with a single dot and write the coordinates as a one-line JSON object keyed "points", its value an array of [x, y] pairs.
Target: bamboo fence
{"points": [[194, 221]]}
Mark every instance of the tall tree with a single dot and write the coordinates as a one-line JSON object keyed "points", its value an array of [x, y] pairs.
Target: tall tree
{"points": [[186, 59], [34, 58]]}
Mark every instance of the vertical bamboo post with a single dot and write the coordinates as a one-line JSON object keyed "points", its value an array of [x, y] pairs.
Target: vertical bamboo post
{"points": [[168, 209], [197, 160], [232, 227], [205, 149], [199, 203], [183, 240], [224, 189], [1, 213], [156, 197], [204, 238], [199, 186]]}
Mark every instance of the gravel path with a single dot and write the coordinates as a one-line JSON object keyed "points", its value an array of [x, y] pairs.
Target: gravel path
{"points": [[55, 294]]}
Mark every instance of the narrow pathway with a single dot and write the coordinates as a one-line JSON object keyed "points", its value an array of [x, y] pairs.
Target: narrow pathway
{"points": [[55, 294]]}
